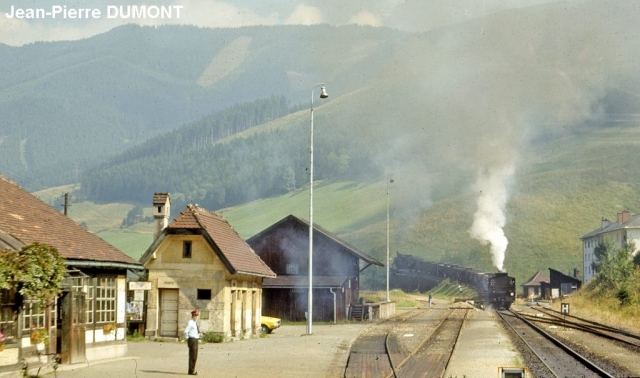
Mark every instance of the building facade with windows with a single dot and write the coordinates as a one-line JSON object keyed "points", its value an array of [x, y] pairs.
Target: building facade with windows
{"points": [[87, 321], [198, 261], [626, 229]]}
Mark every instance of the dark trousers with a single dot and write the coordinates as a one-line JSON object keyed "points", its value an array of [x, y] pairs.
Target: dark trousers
{"points": [[193, 354]]}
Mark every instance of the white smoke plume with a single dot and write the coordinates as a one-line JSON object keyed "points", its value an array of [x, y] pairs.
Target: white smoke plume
{"points": [[492, 185]]}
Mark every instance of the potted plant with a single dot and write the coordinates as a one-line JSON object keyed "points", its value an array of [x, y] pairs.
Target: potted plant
{"points": [[108, 328], [39, 336]]}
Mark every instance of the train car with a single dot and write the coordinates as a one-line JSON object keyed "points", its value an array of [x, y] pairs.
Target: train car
{"points": [[411, 273]]}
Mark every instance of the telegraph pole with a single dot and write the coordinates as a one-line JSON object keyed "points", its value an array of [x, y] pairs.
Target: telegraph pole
{"points": [[66, 203]]}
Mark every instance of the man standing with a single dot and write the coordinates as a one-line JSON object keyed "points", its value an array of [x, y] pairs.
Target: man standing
{"points": [[430, 299], [192, 334]]}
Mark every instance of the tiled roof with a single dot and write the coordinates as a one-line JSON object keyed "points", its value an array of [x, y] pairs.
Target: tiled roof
{"points": [[233, 249], [536, 279], [160, 198], [28, 219], [633, 222], [301, 282]]}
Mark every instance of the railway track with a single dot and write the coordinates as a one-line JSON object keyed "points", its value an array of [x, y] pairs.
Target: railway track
{"points": [[379, 353], [555, 359], [372, 355], [570, 321]]}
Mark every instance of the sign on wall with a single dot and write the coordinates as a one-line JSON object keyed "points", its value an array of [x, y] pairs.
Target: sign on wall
{"points": [[139, 285]]}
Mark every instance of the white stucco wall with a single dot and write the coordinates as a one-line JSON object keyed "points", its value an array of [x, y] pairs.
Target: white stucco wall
{"points": [[205, 271]]}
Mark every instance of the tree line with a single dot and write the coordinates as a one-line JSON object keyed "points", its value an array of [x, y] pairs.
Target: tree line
{"points": [[197, 165]]}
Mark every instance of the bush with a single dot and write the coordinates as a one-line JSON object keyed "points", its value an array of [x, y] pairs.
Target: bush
{"points": [[212, 337], [623, 296], [135, 336]]}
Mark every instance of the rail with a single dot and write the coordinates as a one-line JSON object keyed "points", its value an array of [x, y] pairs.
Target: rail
{"points": [[583, 361]]}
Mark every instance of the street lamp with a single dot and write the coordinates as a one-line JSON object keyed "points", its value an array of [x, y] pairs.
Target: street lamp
{"points": [[388, 184], [323, 94]]}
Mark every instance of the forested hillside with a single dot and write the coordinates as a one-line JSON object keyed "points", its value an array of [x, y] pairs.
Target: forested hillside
{"points": [[197, 167], [69, 106], [504, 136]]}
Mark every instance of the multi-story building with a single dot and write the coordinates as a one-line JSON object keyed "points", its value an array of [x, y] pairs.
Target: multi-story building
{"points": [[626, 229]]}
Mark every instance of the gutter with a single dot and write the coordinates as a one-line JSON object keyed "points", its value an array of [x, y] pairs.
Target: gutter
{"points": [[263, 275], [103, 264], [334, 305]]}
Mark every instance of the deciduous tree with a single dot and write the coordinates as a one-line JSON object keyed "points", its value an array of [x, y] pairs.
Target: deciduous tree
{"points": [[35, 272]]}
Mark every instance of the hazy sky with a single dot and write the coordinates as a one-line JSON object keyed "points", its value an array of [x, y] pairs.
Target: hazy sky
{"points": [[410, 15]]}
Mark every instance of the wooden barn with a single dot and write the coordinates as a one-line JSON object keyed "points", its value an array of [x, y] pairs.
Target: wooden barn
{"points": [[560, 284], [284, 247]]}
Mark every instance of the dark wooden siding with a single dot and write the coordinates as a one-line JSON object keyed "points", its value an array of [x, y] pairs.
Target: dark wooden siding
{"points": [[289, 245], [284, 247]]}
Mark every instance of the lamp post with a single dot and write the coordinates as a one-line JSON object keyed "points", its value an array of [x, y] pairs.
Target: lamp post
{"points": [[388, 184], [323, 94]]}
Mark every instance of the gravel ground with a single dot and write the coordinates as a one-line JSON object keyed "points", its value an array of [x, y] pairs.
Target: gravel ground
{"points": [[610, 355], [483, 346], [286, 353]]}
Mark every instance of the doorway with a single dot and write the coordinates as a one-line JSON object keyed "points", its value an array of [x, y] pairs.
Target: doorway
{"points": [[169, 313]]}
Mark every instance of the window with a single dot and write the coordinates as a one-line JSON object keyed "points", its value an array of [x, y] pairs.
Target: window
{"points": [[32, 315], [8, 326], [105, 300], [91, 304], [186, 249], [204, 294]]}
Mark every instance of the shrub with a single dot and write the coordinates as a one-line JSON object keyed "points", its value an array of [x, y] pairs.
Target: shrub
{"points": [[623, 296], [212, 337]]}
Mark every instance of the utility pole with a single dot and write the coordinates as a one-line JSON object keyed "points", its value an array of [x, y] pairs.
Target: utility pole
{"points": [[66, 203]]}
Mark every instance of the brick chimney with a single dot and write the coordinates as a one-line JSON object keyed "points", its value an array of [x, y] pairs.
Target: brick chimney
{"points": [[624, 216], [161, 212]]}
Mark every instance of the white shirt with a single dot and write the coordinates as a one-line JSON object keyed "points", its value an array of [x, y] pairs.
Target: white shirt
{"points": [[191, 332]]}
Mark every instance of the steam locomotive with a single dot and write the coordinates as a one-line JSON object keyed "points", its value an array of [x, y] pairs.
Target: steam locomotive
{"points": [[412, 273]]}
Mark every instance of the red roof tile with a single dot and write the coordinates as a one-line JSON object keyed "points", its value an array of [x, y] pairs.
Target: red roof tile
{"points": [[160, 198], [28, 219], [233, 248]]}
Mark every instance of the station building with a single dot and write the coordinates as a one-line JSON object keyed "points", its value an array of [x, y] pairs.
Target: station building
{"points": [[198, 261], [87, 321]]}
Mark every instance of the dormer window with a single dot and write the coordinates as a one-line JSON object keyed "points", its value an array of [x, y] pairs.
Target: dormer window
{"points": [[186, 249]]}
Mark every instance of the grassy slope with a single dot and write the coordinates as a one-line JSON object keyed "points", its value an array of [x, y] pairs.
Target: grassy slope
{"points": [[557, 198], [104, 220]]}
